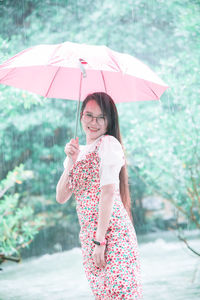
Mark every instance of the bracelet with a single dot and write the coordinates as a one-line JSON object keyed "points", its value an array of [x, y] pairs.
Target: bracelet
{"points": [[99, 243]]}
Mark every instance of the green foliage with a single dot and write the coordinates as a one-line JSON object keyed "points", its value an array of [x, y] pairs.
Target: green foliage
{"points": [[18, 224], [163, 153]]}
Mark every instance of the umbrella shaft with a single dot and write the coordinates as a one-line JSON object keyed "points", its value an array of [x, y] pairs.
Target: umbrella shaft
{"points": [[77, 117]]}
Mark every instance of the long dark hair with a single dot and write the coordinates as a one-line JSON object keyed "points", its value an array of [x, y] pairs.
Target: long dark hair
{"points": [[109, 109]]}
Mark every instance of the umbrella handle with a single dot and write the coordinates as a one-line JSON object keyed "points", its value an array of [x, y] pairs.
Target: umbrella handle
{"points": [[77, 116], [76, 127]]}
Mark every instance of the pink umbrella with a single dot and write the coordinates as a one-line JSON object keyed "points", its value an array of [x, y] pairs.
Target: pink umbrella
{"points": [[71, 71]]}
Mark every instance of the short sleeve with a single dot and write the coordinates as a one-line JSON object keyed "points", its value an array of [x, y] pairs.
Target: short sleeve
{"points": [[111, 160], [65, 162]]}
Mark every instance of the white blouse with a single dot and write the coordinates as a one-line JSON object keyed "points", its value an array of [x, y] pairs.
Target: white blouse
{"points": [[111, 158]]}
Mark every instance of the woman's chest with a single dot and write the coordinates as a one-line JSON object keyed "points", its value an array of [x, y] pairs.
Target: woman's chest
{"points": [[85, 173]]}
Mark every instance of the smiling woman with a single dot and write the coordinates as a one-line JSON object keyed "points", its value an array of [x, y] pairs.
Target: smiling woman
{"points": [[96, 174]]}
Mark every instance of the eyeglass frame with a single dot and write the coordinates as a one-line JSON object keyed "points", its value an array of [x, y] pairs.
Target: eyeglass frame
{"points": [[103, 117]]}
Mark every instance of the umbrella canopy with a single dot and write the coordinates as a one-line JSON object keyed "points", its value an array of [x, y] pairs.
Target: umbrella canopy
{"points": [[71, 71]]}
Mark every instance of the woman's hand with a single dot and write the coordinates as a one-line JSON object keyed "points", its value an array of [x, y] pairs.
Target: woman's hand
{"points": [[99, 256], [72, 149]]}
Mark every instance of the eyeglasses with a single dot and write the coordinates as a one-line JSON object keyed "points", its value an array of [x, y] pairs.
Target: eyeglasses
{"points": [[87, 117]]}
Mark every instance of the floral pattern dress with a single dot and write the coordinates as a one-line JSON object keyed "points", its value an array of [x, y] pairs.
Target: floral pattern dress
{"points": [[120, 279]]}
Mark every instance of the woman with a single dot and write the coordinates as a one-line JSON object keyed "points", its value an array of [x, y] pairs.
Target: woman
{"points": [[96, 174]]}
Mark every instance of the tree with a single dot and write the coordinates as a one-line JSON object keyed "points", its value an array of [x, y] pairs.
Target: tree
{"points": [[18, 224]]}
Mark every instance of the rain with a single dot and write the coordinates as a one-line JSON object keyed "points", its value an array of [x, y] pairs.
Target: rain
{"points": [[40, 254]]}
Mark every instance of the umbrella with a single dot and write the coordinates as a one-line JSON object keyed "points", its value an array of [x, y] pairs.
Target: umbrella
{"points": [[71, 71]]}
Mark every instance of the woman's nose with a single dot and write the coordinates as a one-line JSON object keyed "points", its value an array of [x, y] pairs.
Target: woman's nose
{"points": [[94, 121]]}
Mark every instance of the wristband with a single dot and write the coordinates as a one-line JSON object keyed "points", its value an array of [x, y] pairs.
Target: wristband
{"points": [[99, 243]]}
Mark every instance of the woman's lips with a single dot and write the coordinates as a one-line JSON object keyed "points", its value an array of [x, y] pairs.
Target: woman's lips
{"points": [[93, 129]]}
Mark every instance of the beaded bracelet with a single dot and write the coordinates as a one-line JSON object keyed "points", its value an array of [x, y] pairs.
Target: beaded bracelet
{"points": [[99, 243]]}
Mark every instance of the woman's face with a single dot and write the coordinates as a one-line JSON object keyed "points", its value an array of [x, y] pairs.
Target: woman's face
{"points": [[93, 121]]}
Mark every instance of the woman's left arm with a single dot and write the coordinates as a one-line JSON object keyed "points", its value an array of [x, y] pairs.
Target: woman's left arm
{"points": [[105, 211], [112, 159]]}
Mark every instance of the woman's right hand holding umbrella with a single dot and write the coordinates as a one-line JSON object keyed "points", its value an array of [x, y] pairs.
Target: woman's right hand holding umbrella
{"points": [[72, 149], [63, 192]]}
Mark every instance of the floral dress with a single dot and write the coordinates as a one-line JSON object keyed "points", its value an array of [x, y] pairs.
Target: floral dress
{"points": [[120, 279]]}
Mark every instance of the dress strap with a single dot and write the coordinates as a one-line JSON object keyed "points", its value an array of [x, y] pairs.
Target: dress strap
{"points": [[98, 144]]}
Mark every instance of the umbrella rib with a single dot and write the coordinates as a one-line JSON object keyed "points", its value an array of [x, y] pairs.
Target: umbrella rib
{"points": [[10, 71], [104, 83], [54, 52], [151, 89], [114, 60], [46, 95]]}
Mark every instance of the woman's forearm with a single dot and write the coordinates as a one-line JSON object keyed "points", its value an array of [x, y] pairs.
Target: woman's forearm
{"points": [[63, 193], [105, 211]]}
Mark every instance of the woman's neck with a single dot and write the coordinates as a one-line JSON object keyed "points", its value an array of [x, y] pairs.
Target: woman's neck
{"points": [[90, 141]]}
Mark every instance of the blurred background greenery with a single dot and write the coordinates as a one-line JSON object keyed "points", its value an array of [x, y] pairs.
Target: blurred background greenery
{"points": [[161, 137]]}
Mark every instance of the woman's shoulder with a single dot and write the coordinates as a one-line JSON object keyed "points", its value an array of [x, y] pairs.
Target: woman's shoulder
{"points": [[111, 144], [111, 141]]}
